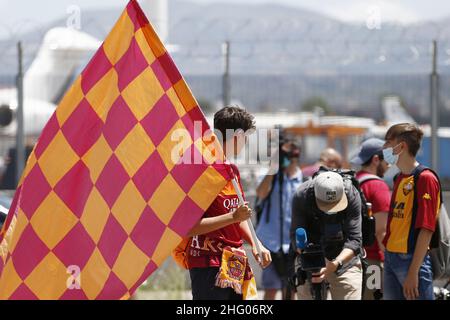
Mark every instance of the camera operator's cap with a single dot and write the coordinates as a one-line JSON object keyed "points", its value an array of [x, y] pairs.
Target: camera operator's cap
{"points": [[369, 148], [329, 192]]}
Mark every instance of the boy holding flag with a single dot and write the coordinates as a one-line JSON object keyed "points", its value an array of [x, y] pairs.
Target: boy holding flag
{"points": [[218, 267]]}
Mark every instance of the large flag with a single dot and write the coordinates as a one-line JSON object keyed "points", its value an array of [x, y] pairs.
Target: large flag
{"points": [[102, 202]]}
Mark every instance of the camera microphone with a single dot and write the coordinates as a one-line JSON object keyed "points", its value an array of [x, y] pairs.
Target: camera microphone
{"points": [[301, 240], [312, 260]]}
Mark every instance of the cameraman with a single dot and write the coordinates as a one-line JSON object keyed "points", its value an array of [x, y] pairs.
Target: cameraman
{"points": [[275, 221], [329, 209]]}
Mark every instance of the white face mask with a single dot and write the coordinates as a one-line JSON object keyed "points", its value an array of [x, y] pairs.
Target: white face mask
{"points": [[390, 157]]}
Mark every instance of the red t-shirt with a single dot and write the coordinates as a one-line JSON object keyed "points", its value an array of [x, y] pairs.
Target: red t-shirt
{"points": [[378, 194], [400, 216], [310, 170], [206, 250]]}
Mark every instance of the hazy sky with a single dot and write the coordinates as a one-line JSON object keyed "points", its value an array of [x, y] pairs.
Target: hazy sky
{"points": [[403, 11], [20, 15]]}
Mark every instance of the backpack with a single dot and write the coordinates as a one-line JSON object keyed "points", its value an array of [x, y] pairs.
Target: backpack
{"points": [[367, 221], [368, 177], [440, 241]]}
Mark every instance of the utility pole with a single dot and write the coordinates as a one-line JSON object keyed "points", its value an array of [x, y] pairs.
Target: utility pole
{"points": [[20, 143], [434, 94], [226, 85]]}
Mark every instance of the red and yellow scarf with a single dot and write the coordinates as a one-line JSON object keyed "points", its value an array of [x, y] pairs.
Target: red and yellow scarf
{"points": [[235, 272]]}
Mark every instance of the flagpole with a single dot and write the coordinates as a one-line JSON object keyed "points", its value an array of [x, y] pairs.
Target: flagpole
{"points": [[250, 224]]}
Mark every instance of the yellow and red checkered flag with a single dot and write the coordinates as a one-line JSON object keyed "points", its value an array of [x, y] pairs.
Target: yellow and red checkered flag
{"points": [[102, 202]]}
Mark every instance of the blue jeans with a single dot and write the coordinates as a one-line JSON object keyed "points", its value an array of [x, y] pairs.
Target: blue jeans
{"points": [[396, 267]]}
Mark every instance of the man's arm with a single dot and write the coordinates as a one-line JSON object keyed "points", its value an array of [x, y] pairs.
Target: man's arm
{"points": [[381, 219], [381, 202], [353, 223], [411, 284], [263, 189]]}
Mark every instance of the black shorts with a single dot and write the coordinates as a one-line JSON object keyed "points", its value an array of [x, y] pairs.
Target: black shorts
{"points": [[203, 285]]}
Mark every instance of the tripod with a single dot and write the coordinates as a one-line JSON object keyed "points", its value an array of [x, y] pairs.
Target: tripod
{"points": [[318, 290]]}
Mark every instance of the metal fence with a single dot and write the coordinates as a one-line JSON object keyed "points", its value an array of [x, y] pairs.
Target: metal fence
{"points": [[282, 59]]}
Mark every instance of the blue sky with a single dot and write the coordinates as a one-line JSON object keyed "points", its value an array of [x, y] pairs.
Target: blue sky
{"points": [[22, 15]]}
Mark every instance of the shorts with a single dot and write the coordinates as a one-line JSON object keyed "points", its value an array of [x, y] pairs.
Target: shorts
{"points": [[271, 279], [203, 285]]}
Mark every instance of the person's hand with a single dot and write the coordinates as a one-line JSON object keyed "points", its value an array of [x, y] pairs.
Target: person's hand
{"points": [[274, 161], [331, 267], [266, 257], [411, 286], [324, 272], [242, 213], [318, 277]]}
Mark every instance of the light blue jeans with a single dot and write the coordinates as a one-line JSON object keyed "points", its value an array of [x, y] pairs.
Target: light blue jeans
{"points": [[396, 267]]}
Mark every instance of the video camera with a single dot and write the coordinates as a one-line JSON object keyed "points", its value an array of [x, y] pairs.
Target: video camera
{"points": [[310, 260]]}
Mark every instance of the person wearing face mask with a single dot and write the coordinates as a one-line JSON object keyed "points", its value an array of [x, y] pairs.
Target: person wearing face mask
{"points": [[376, 192], [412, 218], [275, 220]]}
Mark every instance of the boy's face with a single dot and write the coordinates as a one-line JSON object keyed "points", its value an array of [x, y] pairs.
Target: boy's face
{"points": [[235, 143], [239, 141], [396, 145]]}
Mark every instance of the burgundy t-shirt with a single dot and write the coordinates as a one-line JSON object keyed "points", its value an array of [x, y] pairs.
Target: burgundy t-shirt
{"points": [[206, 250], [378, 194]]}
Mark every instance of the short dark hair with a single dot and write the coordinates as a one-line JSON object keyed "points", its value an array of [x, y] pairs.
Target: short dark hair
{"points": [[409, 133], [233, 117]]}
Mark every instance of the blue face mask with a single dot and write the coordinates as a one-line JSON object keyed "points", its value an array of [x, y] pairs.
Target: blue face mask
{"points": [[286, 162], [389, 156]]}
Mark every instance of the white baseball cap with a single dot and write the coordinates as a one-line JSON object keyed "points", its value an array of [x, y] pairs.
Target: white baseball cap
{"points": [[329, 192]]}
